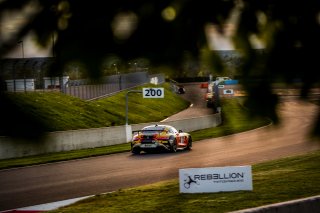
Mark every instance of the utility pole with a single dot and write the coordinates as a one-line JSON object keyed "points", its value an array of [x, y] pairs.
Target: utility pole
{"points": [[127, 108], [52, 37], [22, 49]]}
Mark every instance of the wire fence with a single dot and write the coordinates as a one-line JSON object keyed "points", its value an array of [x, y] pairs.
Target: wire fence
{"points": [[110, 85], [85, 89], [29, 74]]}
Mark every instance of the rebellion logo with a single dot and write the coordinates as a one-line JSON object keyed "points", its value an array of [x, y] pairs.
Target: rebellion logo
{"points": [[189, 181]]}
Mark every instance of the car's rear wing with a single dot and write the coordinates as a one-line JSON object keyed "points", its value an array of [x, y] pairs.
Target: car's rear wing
{"points": [[158, 131]]}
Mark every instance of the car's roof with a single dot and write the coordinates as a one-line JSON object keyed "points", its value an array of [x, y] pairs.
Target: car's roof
{"points": [[156, 127]]}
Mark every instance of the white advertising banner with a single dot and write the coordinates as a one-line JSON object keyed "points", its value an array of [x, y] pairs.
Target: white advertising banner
{"points": [[215, 179]]}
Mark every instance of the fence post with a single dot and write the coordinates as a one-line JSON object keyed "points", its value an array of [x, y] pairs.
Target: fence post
{"points": [[127, 108]]}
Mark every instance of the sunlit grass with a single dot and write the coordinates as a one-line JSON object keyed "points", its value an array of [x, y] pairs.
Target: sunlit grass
{"points": [[235, 119], [60, 112]]}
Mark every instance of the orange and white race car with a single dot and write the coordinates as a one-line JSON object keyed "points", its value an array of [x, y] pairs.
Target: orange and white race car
{"points": [[160, 137]]}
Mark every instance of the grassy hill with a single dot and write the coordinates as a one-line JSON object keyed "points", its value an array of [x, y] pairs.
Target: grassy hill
{"points": [[58, 112]]}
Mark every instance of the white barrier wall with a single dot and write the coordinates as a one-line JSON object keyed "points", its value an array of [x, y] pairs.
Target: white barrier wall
{"points": [[20, 85], [91, 138], [189, 124]]}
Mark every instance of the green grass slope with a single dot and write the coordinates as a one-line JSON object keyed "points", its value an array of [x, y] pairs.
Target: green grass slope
{"points": [[60, 112], [235, 119]]}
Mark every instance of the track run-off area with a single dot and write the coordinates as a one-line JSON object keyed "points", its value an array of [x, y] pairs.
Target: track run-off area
{"points": [[47, 183]]}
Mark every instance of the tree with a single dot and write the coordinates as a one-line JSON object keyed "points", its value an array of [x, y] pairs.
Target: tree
{"points": [[164, 31]]}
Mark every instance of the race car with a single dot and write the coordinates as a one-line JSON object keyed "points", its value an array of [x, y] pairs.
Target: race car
{"points": [[160, 138]]}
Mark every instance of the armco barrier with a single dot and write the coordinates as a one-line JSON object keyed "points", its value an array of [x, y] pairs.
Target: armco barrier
{"points": [[91, 138], [188, 124]]}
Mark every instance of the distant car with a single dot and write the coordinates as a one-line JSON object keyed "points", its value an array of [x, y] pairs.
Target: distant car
{"points": [[160, 138], [181, 89]]}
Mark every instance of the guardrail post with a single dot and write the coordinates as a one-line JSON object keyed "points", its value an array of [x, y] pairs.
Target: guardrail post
{"points": [[128, 133]]}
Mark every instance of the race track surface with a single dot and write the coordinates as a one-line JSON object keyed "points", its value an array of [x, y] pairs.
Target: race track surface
{"points": [[59, 181]]}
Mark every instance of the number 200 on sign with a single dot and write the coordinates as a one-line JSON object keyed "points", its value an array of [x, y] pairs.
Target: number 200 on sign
{"points": [[153, 93]]}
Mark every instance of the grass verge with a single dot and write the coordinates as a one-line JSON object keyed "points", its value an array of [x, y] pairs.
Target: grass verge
{"points": [[55, 111], [235, 120], [274, 181]]}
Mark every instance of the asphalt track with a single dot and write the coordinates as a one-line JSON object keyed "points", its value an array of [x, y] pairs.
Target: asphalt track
{"points": [[65, 180]]}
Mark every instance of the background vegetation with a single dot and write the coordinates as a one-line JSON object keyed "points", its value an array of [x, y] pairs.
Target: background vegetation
{"points": [[174, 33]]}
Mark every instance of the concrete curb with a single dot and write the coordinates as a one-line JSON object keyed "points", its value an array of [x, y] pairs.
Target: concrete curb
{"points": [[47, 206], [304, 205]]}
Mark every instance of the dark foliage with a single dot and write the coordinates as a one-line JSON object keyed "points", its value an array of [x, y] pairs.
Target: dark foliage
{"points": [[85, 32]]}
